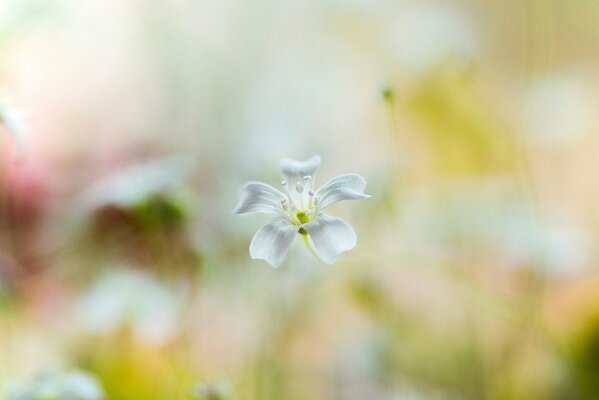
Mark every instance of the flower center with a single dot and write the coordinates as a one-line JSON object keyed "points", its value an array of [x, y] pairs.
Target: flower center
{"points": [[302, 217], [301, 203]]}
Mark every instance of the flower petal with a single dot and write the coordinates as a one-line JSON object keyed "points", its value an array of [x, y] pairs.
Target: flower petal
{"points": [[272, 241], [259, 197], [330, 237], [294, 170], [16, 121], [343, 187]]}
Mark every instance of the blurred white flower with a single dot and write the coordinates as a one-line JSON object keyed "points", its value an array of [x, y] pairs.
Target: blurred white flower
{"points": [[561, 108], [558, 246], [74, 385], [299, 211], [219, 390], [15, 121], [422, 37], [519, 235], [130, 297], [132, 185]]}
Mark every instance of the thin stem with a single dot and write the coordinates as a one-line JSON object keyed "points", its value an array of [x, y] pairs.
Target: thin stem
{"points": [[309, 246], [389, 97]]}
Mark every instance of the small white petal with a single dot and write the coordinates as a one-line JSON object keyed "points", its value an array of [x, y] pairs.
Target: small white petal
{"points": [[294, 171], [79, 385], [259, 197], [330, 237], [131, 185], [343, 187], [272, 241], [16, 121]]}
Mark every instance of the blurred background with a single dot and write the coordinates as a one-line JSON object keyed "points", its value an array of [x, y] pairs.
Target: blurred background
{"points": [[129, 126]]}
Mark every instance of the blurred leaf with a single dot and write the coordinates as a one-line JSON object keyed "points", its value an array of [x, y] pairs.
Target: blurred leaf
{"points": [[158, 213], [461, 133], [584, 354], [132, 371]]}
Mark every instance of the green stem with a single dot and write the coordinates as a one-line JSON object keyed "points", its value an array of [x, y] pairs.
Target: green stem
{"points": [[309, 246]]}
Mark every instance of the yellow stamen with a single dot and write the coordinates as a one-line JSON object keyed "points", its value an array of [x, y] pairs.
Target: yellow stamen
{"points": [[302, 217]]}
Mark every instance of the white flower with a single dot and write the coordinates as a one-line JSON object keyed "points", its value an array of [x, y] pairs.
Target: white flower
{"points": [[132, 298], [73, 385], [219, 390], [134, 184], [16, 121], [299, 211]]}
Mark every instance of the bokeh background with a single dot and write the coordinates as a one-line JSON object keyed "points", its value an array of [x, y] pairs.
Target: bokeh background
{"points": [[124, 276]]}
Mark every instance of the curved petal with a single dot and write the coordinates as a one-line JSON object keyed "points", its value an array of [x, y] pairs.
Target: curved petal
{"points": [[294, 170], [330, 237], [259, 197], [343, 187], [272, 241]]}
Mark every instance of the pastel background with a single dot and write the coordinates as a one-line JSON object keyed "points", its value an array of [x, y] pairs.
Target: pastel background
{"points": [[124, 275]]}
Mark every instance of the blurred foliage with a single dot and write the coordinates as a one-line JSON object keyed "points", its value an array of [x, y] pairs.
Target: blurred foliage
{"points": [[578, 342], [158, 213], [143, 279], [130, 370], [473, 354], [462, 133], [152, 231]]}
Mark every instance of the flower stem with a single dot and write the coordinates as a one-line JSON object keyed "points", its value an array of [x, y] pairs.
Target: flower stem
{"points": [[309, 246]]}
